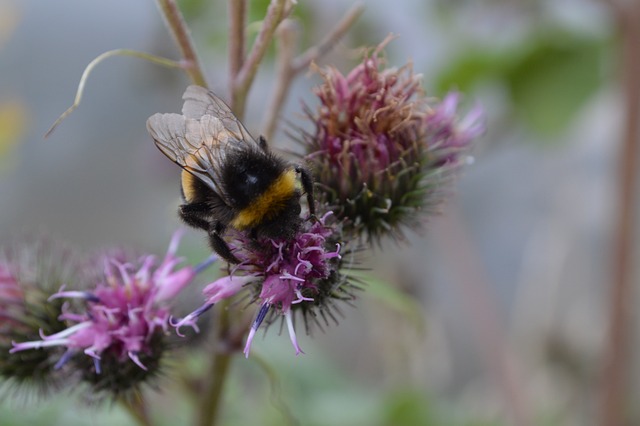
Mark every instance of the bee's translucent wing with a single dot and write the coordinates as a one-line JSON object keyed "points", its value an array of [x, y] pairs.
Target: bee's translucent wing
{"points": [[198, 146], [199, 102]]}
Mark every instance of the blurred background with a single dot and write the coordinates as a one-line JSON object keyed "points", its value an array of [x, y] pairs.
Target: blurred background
{"points": [[495, 314]]}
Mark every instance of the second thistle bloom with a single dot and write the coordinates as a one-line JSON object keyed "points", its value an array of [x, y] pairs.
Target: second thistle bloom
{"points": [[381, 150], [122, 326], [30, 271]]}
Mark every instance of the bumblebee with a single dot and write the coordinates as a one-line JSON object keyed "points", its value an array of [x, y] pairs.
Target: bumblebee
{"points": [[228, 178]]}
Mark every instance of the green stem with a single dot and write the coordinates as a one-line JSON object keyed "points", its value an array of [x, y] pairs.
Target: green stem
{"points": [[218, 370], [136, 407], [275, 390], [289, 67], [180, 31], [237, 23]]}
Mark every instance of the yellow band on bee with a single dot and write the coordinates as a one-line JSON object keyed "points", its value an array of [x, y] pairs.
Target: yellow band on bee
{"points": [[188, 182], [269, 203]]}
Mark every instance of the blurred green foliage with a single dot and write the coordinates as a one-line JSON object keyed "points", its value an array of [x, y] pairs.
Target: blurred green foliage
{"points": [[389, 295], [548, 75], [214, 30]]}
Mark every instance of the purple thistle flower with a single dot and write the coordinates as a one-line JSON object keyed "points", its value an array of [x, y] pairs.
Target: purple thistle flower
{"points": [[283, 275], [11, 299], [450, 136], [381, 151], [29, 273], [125, 319]]}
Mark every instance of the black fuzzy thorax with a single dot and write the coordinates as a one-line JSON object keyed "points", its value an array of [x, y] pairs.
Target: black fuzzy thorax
{"points": [[247, 174]]}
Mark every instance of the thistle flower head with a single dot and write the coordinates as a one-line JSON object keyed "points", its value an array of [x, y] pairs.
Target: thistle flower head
{"points": [[30, 271], [122, 327], [284, 275], [381, 150]]}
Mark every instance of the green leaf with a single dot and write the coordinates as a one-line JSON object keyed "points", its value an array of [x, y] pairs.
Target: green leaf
{"points": [[549, 76], [555, 77], [408, 408], [394, 298], [191, 9], [472, 67]]}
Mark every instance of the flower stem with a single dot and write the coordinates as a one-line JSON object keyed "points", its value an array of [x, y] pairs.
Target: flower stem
{"points": [[289, 67], [237, 23], [242, 82], [302, 62], [180, 31], [137, 408], [616, 366], [479, 300], [287, 35], [218, 370]]}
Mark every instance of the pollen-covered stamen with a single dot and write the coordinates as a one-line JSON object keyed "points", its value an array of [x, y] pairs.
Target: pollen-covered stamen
{"points": [[136, 360], [144, 274], [134, 317], [311, 249], [292, 332], [39, 344], [64, 359], [97, 365], [70, 316], [109, 314], [333, 254], [174, 243], [89, 297], [124, 273], [190, 320], [65, 333], [262, 313], [287, 276], [301, 298], [303, 263], [277, 259], [205, 264], [92, 353]]}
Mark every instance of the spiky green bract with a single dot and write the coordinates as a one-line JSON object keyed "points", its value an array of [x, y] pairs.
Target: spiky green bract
{"points": [[306, 274], [119, 379], [30, 272], [115, 335], [381, 151], [312, 270]]}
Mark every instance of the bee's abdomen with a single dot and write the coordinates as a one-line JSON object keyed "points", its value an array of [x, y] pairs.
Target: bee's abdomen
{"points": [[193, 189]]}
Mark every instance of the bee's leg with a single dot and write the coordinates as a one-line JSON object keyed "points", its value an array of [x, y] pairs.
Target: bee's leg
{"points": [[307, 185], [219, 245], [196, 215]]}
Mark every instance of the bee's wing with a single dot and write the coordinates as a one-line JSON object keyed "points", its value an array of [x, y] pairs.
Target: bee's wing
{"points": [[199, 102], [195, 145]]}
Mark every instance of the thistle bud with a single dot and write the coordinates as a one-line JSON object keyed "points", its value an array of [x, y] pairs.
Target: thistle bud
{"points": [[381, 151], [29, 273]]}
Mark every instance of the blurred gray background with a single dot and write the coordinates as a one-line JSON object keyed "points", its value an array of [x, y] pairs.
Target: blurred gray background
{"points": [[504, 302]]}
